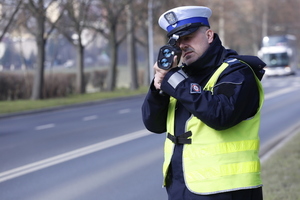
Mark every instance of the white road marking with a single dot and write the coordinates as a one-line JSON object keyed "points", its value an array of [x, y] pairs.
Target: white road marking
{"points": [[124, 111], [296, 84], [89, 118], [279, 92], [26, 169], [46, 126]]}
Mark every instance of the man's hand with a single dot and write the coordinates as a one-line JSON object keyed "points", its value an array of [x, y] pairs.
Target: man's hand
{"points": [[159, 73]]}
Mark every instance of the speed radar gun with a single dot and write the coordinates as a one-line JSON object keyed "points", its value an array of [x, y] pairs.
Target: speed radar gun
{"points": [[167, 52], [166, 55]]}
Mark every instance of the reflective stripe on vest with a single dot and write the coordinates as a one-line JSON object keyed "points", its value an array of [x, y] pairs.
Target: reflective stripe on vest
{"points": [[218, 161]]}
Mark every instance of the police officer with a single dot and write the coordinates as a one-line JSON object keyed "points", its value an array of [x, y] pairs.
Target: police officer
{"points": [[210, 112]]}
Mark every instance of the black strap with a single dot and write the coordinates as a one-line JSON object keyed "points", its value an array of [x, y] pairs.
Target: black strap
{"points": [[181, 139]]}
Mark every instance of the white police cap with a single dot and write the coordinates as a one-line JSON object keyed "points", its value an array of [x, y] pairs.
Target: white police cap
{"points": [[184, 20]]}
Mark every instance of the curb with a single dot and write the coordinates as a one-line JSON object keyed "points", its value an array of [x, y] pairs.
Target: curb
{"points": [[272, 146], [90, 103]]}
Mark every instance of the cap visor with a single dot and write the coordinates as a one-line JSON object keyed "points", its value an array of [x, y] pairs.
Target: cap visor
{"points": [[185, 32], [185, 29]]}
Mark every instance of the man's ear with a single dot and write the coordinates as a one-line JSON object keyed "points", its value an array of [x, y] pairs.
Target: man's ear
{"points": [[210, 35]]}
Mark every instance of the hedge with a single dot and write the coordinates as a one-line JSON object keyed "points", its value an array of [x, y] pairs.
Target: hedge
{"points": [[16, 85]]}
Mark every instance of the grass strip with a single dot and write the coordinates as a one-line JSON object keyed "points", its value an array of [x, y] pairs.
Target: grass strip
{"points": [[281, 172], [7, 107]]}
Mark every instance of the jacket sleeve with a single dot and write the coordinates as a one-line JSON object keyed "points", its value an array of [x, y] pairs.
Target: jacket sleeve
{"points": [[155, 110], [235, 96]]}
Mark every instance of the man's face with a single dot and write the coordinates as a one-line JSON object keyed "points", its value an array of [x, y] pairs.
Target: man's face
{"points": [[195, 44]]}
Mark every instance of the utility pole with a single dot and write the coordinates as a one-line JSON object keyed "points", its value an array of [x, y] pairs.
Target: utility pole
{"points": [[150, 39], [221, 22], [265, 19]]}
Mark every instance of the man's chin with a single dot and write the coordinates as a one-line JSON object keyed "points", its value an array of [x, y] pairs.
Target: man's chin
{"points": [[188, 61]]}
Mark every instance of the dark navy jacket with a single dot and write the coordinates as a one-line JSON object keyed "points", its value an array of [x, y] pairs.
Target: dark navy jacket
{"points": [[235, 99]]}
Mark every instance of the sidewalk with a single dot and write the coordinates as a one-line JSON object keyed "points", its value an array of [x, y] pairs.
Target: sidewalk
{"points": [[281, 171]]}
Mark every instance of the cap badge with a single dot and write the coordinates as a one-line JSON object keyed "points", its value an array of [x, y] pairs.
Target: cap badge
{"points": [[171, 18]]}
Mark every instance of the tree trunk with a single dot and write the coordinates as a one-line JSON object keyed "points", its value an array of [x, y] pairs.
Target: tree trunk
{"points": [[131, 50], [147, 66], [112, 71], [80, 83], [38, 83]]}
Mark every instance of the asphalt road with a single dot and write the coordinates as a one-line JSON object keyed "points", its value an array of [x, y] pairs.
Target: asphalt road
{"points": [[103, 152]]}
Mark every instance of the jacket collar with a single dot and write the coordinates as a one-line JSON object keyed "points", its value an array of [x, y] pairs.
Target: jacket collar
{"points": [[210, 60]]}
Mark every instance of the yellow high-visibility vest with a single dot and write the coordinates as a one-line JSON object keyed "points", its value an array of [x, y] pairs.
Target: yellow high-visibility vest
{"points": [[218, 161]]}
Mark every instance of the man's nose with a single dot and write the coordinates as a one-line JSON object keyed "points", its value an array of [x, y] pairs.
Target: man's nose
{"points": [[182, 46]]}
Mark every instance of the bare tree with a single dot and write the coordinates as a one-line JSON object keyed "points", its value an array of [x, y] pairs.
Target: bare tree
{"points": [[72, 26], [131, 48], [107, 22], [7, 15], [35, 21]]}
